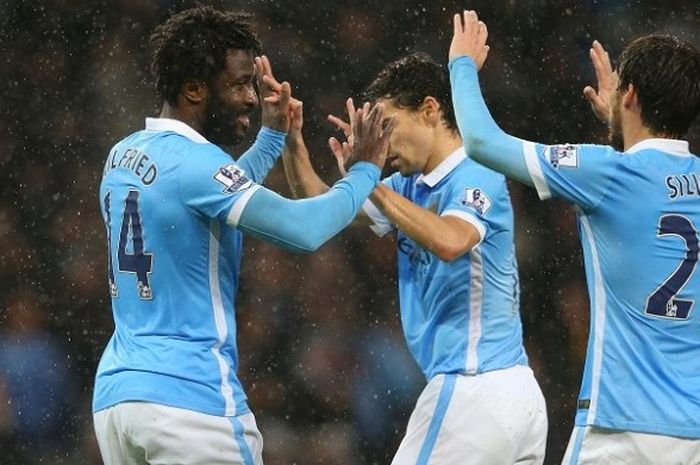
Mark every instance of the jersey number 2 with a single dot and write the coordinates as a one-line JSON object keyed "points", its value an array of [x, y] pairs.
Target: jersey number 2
{"points": [[137, 262], [663, 302]]}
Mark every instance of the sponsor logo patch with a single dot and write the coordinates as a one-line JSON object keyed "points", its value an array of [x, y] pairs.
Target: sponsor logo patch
{"points": [[233, 178], [476, 199], [564, 156]]}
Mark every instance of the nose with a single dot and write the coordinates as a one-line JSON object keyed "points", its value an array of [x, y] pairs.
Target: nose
{"points": [[251, 97]]}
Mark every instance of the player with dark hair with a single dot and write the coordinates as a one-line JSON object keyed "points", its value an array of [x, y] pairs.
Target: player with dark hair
{"points": [[638, 214], [175, 204], [458, 276]]}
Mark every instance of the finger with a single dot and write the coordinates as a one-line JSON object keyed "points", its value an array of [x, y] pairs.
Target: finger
{"points": [[267, 67], [296, 106], [258, 70], [601, 63], [483, 54], [604, 57], [340, 124], [457, 29], [357, 128], [336, 147], [590, 93], [388, 125], [285, 94], [271, 83], [275, 98], [338, 152], [470, 20], [375, 118], [350, 107], [482, 33]]}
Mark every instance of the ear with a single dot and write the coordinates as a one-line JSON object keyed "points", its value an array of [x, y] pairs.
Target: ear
{"points": [[430, 110], [194, 91], [629, 97]]}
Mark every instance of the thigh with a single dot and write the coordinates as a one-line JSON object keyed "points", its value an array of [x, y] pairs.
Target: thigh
{"points": [[115, 448], [497, 418], [590, 445], [169, 435], [425, 421]]}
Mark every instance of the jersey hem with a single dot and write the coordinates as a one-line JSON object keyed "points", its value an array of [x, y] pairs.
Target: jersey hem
{"points": [[177, 402], [647, 428]]}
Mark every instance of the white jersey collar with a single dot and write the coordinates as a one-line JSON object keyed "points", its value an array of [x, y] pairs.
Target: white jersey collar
{"points": [[671, 146], [174, 125], [443, 169]]}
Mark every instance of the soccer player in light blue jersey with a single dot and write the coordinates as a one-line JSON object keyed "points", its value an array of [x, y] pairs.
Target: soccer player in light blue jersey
{"points": [[458, 277], [638, 206], [175, 205]]}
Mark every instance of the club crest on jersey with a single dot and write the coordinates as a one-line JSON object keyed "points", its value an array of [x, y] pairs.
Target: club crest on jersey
{"points": [[476, 199], [565, 156], [233, 178]]}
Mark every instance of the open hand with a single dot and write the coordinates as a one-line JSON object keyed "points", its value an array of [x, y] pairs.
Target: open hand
{"points": [[276, 97], [607, 83], [371, 131], [469, 38], [343, 150]]}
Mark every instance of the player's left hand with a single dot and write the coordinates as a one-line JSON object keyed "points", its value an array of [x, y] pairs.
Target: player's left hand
{"points": [[276, 97], [469, 38]]}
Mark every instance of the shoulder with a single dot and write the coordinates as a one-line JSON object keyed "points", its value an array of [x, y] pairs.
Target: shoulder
{"points": [[471, 172]]}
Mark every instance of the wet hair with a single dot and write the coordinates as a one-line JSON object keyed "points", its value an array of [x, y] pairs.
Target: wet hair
{"points": [[192, 44], [409, 80], [665, 73]]}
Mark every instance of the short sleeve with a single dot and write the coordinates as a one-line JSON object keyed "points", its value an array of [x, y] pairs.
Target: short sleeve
{"points": [[382, 226], [472, 198], [212, 185], [578, 173]]}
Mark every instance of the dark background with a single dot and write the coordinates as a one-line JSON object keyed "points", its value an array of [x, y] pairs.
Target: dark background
{"points": [[322, 355]]}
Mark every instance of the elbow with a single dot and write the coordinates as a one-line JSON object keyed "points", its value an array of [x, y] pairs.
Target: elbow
{"points": [[309, 244], [449, 252]]}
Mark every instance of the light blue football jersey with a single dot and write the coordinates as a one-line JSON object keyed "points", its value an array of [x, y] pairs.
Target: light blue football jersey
{"points": [[462, 316], [638, 217], [166, 196]]}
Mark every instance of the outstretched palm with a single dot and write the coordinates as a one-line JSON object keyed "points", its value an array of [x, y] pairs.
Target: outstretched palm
{"points": [[607, 83]]}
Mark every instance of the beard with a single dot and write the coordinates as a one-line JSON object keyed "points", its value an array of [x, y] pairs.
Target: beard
{"points": [[220, 126], [615, 127]]}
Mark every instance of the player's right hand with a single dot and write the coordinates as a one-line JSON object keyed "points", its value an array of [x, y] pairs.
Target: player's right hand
{"points": [[371, 133], [469, 38], [607, 83]]}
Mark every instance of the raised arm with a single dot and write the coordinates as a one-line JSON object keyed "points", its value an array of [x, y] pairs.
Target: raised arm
{"points": [[484, 140], [276, 101], [304, 225], [301, 176]]}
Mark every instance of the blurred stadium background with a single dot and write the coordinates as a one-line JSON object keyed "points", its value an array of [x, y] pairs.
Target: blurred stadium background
{"points": [[323, 358]]}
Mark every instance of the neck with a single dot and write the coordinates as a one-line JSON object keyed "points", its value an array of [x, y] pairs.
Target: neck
{"points": [[633, 134], [189, 118], [444, 144]]}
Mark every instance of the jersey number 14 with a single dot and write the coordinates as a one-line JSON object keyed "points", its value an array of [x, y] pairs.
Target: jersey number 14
{"points": [[137, 261]]}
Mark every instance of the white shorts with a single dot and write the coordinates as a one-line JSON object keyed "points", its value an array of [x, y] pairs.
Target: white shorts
{"points": [[495, 418], [142, 433], [601, 446]]}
